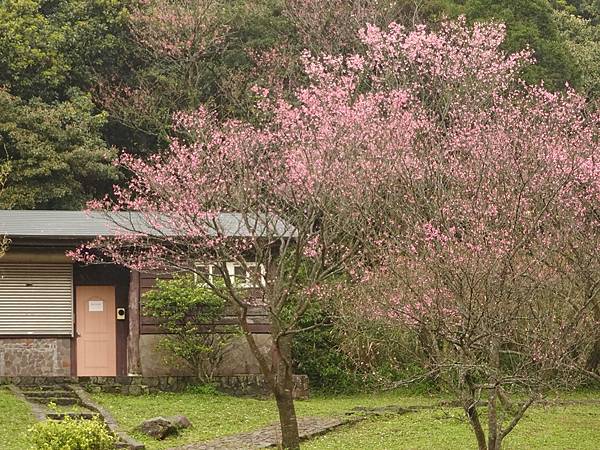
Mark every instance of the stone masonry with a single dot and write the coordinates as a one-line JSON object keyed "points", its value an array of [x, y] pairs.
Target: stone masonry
{"points": [[241, 385], [39, 357]]}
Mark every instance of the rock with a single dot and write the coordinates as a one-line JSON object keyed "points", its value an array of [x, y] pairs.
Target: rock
{"points": [[135, 389], [378, 411], [157, 427], [180, 422]]}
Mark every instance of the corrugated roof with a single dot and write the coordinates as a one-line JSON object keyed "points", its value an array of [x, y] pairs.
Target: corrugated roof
{"points": [[81, 224]]}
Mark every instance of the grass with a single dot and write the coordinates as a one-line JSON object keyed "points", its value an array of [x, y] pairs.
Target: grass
{"points": [[15, 419], [574, 427], [556, 428], [550, 427], [219, 415]]}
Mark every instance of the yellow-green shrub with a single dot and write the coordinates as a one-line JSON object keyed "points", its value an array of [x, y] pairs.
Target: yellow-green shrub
{"points": [[71, 434]]}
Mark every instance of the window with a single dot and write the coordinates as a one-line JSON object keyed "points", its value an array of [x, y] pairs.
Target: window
{"points": [[207, 271], [246, 278], [238, 274]]}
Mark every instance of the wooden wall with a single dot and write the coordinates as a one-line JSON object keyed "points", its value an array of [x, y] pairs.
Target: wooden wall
{"points": [[257, 316]]}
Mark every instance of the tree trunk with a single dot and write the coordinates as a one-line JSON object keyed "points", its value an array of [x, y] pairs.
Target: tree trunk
{"points": [[290, 439], [493, 441], [284, 393], [593, 360], [471, 412], [493, 435], [279, 378]]}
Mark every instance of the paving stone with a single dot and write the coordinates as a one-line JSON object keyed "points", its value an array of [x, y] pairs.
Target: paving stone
{"points": [[269, 436]]}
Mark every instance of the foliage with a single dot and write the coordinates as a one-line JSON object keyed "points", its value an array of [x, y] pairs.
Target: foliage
{"points": [[583, 40], [588, 9], [180, 68], [529, 23], [48, 47], [203, 389], [57, 155], [71, 434], [318, 355], [187, 311], [345, 356]]}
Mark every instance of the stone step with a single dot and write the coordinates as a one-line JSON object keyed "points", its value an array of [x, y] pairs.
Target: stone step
{"points": [[51, 394], [38, 387], [63, 401], [72, 415]]}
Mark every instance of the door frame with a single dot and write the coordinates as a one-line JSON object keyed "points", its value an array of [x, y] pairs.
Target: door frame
{"points": [[104, 275]]}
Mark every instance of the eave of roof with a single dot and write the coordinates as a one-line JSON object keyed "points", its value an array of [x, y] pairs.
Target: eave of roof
{"points": [[81, 225]]}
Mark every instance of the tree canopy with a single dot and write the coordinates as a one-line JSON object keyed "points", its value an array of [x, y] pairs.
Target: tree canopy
{"points": [[129, 60]]}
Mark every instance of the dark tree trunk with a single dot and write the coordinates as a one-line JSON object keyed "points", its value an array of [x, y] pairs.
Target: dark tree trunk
{"points": [[290, 439], [279, 377], [473, 416], [593, 362], [284, 393]]}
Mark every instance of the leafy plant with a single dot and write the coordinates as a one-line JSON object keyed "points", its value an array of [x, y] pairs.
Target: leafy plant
{"points": [[71, 434], [188, 313]]}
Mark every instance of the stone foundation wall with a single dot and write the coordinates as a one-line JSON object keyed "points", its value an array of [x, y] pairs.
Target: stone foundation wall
{"points": [[35, 357], [241, 385]]}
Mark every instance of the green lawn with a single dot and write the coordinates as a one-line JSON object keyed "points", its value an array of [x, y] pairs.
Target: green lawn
{"points": [[575, 427], [218, 415], [556, 427], [15, 419]]}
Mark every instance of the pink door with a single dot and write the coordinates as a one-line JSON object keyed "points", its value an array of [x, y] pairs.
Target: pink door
{"points": [[96, 331]]}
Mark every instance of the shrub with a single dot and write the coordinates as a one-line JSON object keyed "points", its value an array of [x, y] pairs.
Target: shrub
{"points": [[348, 354], [188, 311], [71, 434]]}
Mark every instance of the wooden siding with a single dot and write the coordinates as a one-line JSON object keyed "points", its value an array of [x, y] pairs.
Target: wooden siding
{"points": [[257, 316]]}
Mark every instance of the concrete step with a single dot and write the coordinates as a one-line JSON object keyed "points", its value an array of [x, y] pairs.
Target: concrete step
{"points": [[61, 416], [37, 388], [51, 394], [63, 401]]}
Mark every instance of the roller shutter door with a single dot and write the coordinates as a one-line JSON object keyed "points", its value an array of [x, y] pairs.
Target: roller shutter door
{"points": [[36, 299]]}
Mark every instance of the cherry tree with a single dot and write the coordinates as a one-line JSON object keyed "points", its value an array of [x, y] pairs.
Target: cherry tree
{"points": [[453, 197], [490, 225], [283, 201]]}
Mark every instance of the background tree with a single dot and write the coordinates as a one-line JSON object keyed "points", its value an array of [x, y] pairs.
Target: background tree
{"points": [[582, 37], [57, 155]]}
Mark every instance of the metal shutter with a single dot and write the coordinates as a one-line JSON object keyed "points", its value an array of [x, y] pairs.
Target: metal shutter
{"points": [[36, 299]]}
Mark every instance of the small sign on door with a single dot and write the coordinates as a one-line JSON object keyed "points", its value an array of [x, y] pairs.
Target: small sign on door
{"points": [[96, 305]]}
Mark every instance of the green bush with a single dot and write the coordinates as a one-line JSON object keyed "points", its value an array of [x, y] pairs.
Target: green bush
{"points": [[318, 354], [346, 355], [189, 313], [71, 434]]}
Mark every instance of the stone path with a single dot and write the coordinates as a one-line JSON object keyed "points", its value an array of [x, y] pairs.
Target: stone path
{"points": [[75, 403], [271, 435]]}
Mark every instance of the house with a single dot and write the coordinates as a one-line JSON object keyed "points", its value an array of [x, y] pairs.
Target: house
{"points": [[62, 318]]}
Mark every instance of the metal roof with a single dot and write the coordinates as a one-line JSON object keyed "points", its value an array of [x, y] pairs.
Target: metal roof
{"points": [[82, 224]]}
